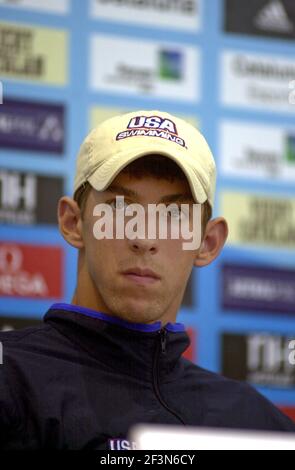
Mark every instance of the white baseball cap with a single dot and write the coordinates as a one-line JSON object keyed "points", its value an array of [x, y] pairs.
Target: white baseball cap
{"points": [[118, 141]]}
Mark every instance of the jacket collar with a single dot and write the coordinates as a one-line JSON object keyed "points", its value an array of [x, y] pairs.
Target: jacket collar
{"points": [[129, 348]]}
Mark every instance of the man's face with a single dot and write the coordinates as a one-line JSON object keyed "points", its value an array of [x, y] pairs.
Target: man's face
{"points": [[104, 262]]}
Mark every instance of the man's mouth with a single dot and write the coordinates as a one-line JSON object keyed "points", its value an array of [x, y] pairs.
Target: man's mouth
{"points": [[141, 275]]}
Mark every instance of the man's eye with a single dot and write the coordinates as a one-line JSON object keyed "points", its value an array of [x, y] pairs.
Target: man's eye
{"points": [[118, 205], [178, 213], [175, 213]]}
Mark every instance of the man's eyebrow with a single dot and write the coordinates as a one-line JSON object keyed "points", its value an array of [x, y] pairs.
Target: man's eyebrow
{"points": [[177, 197], [117, 188]]}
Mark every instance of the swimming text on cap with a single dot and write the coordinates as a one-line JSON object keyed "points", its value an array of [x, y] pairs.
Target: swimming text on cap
{"points": [[152, 126]]}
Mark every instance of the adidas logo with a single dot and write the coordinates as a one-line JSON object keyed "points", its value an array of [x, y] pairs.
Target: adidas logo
{"points": [[273, 17]]}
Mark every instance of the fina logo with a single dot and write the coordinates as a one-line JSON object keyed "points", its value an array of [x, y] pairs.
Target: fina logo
{"points": [[152, 126]]}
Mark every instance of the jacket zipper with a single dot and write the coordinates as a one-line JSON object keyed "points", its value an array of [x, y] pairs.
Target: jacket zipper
{"points": [[161, 349]]}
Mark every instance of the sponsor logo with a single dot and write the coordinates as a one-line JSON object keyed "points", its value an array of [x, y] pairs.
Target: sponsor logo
{"points": [[183, 6], [31, 271], [33, 53], [274, 18], [270, 18], [142, 77], [17, 323], [171, 14], [27, 125], [262, 359], [257, 81], [152, 126], [145, 68], [253, 150], [253, 288], [253, 67], [24, 198], [170, 65], [263, 221]]}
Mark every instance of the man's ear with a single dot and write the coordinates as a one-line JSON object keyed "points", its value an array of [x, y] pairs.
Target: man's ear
{"points": [[214, 238], [70, 222]]}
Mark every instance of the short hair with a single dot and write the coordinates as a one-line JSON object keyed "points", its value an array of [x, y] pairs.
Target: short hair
{"points": [[148, 165]]}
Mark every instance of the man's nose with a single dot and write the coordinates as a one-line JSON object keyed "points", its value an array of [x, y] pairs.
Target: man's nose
{"points": [[145, 238], [141, 245]]}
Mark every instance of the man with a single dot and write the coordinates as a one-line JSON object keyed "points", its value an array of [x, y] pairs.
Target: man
{"points": [[113, 356]]}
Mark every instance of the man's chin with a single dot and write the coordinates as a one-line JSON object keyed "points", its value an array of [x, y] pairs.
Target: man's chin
{"points": [[137, 313]]}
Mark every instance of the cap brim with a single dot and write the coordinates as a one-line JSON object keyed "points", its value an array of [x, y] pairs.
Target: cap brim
{"points": [[102, 177]]}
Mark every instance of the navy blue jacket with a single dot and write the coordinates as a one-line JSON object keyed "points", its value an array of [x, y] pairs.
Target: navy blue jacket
{"points": [[82, 378]]}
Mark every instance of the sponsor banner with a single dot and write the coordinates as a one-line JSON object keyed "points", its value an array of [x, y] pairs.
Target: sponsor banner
{"points": [[257, 81], [259, 288], [32, 53], [31, 271], [260, 220], [171, 14], [256, 151], [54, 6], [145, 68], [270, 18], [289, 411], [99, 114], [31, 125], [24, 197], [190, 353], [258, 358], [16, 323]]}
